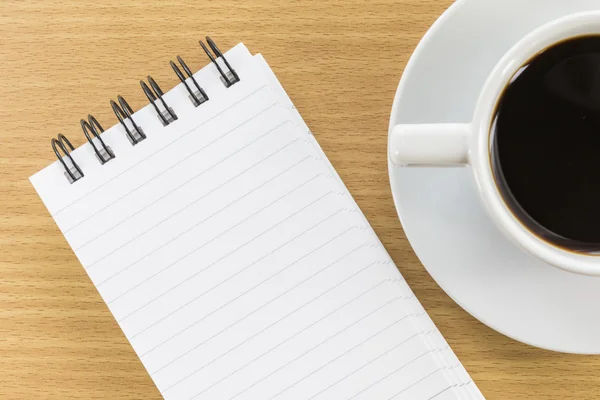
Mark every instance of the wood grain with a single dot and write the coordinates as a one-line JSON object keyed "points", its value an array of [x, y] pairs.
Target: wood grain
{"points": [[339, 61]]}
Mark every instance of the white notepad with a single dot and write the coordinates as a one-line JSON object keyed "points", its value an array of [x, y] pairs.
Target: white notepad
{"points": [[235, 260]]}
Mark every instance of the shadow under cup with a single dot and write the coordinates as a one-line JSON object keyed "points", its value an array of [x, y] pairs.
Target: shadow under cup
{"points": [[545, 144]]}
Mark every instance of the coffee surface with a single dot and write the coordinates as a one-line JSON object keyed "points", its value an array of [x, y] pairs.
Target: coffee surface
{"points": [[546, 141]]}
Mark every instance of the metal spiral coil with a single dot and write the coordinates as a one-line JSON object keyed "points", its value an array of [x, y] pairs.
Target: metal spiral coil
{"points": [[92, 129], [155, 94], [197, 95], [229, 77], [104, 153], [125, 113], [73, 173]]}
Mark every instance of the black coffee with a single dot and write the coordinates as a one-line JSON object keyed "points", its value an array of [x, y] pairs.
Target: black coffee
{"points": [[546, 143]]}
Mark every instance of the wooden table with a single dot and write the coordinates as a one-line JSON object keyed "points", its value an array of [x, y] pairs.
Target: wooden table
{"points": [[339, 61]]}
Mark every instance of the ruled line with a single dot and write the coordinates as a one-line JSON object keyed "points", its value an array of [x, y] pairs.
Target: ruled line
{"points": [[189, 205], [161, 149], [224, 305], [190, 181], [437, 394], [205, 268], [348, 352], [258, 333], [180, 162], [279, 223], [282, 343], [187, 231], [206, 219], [414, 383], [390, 374], [368, 363], [315, 347], [262, 258], [160, 344], [262, 307]]}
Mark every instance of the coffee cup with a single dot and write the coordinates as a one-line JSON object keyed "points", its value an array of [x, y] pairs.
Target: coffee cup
{"points": [[472, 144]]}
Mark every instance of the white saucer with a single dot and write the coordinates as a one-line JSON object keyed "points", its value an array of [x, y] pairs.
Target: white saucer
{"points": [[487, 275]]}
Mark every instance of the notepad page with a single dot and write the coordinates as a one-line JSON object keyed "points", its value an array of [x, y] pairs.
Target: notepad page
{"points": [[234, 259]]}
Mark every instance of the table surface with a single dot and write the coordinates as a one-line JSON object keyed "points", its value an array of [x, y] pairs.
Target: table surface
{"points": [[340, 63]]}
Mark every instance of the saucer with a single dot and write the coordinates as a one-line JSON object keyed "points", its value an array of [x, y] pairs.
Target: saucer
{"points": [[444, 220]]}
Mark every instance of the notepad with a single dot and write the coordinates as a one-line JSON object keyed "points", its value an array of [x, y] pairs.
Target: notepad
{"points": [[233, 257]]}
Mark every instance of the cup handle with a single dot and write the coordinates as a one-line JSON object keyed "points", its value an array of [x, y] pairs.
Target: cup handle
{"points": [[430, 144]]}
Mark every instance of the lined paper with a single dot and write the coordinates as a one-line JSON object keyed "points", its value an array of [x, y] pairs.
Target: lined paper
{"points": [[236, 262]]}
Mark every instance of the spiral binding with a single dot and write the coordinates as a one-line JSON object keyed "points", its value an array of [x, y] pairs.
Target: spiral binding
{"points": [[167, 115], [229, 77], [73, 172], [196, 96], [124, 113], [104, 154]]}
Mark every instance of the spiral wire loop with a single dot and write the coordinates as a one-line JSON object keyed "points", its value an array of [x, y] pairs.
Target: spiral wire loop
{"points": [[197, 95], [73, 173], [156, 94], [228, 78], [124, 112], [104, 153]]}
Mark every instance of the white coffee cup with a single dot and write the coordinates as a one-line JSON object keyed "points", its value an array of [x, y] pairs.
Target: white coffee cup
{"points": [[454, 144]]}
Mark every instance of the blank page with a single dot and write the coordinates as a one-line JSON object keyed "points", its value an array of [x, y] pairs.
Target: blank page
{"points": [[236, 262]]}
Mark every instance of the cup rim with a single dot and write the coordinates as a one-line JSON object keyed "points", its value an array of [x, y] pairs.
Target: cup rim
{"points": [[571, 26]]}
